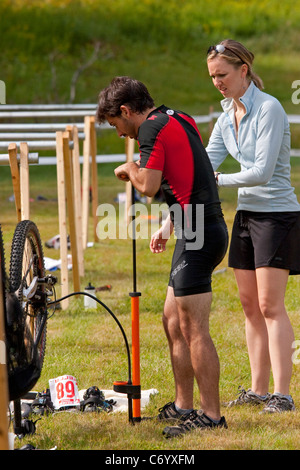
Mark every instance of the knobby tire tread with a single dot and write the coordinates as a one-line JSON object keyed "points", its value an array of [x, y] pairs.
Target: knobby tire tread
{"points": [[27, 231]]}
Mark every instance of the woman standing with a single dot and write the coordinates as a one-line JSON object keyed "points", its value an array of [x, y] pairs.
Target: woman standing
{"points": [[265, 246]]}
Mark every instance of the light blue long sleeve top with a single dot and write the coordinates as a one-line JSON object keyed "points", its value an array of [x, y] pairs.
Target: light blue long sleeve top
{"points": [[262, 147]]}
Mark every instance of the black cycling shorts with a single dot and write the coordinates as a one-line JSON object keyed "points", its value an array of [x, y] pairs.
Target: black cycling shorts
{"points": [[192, 269], [265, 239]]}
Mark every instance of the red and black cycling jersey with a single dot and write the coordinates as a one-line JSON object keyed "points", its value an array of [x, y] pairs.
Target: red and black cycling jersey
{"points": [[169, 141]]}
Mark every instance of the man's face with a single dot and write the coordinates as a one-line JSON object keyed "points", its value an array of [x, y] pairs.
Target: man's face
{"points": [[125, 124]]}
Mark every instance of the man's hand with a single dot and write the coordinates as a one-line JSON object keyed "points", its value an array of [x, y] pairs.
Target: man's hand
{"points": [[157, 243], [160, 237], [146, 181], [121, 172]]}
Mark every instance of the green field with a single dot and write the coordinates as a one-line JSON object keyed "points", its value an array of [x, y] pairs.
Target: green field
{"points": [[88, 344], [163, 44]]}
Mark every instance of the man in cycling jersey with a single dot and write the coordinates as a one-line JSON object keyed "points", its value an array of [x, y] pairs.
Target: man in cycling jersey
{"points": [[172, 157]]}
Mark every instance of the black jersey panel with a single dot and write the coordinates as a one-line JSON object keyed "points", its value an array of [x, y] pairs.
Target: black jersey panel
{"points": [[170, 142]]}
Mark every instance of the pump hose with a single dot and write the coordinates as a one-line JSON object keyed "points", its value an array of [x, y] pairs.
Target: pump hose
{"points": [[111, 313]]}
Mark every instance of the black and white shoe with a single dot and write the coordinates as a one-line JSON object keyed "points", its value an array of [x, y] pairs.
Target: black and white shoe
{"points": [[195, 420], [169, 413]]}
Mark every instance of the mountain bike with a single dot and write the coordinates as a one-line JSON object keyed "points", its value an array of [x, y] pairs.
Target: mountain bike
{"points": [[27, 291]]}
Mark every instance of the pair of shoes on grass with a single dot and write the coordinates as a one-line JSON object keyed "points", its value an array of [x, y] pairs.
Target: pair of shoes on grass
{"points": [[272, 403], [186, 422], [198, 420]]}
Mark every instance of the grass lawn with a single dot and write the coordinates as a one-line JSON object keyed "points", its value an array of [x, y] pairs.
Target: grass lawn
{"points": [[88, 344], [164, 44]]}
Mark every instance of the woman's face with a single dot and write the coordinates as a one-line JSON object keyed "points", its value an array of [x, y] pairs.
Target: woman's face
{"points": [[228, 79]]}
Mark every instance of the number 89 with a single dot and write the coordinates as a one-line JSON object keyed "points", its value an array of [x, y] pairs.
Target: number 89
{"points": [[65, 388]]}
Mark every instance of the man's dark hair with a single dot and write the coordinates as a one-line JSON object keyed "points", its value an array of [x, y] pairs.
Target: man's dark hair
{"points": [[123, 91]]}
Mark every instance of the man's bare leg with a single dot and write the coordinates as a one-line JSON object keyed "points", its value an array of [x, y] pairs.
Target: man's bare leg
{"points": [[180, 354], [193, 353]]}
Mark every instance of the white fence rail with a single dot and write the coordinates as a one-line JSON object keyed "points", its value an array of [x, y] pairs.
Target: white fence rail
{"points": [[41, 135]]}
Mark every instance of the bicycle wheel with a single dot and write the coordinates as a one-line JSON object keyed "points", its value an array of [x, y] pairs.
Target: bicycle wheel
{"points": [[26, 310]]}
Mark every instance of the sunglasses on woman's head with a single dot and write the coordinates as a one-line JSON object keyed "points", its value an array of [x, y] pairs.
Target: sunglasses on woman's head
{"points": [[220, 48]]}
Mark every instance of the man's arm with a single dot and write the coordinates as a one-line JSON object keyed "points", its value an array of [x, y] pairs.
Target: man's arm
{"points": [[146, 181]]}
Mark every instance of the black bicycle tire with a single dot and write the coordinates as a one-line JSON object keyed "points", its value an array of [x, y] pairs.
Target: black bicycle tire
{"points": [[22, 232], [27, 232]]}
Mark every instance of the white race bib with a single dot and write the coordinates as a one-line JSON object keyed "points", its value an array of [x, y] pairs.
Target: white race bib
{"points": [[64, 392]]}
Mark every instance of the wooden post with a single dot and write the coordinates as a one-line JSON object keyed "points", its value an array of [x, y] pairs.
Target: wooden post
{"points": [[75, 153], [89, 168], [20, 179], [62, 218], [71, 211], [24, 181], [86, 181], [211, 122], [4, 398], [14, 168], [129, 148], [93, 149]]}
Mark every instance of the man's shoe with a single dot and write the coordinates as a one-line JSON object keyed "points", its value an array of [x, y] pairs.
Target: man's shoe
{"points": [[249, 398], [279, 404], [195, 420], [169, 413]]}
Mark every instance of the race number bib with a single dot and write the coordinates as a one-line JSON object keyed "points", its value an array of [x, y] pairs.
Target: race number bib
{"points": [[64, 392]]}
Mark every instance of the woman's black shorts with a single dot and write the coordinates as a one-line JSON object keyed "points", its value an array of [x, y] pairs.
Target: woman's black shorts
{"points": [[265, 239], [192, 269]]}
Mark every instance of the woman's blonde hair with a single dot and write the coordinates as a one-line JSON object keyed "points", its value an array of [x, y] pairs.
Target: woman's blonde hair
{"points": [[236, 54]]}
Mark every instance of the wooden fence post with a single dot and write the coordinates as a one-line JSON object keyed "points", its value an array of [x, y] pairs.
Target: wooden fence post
{"points": [[86, 181], [89, 170], [71, 211], [129, 149], [93, 149], [75, 154], [62, 218], [20, 179], [15, 174], [211, 122], [24, 181]]}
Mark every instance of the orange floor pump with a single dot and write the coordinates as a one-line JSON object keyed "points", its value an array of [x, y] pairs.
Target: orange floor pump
{"points": [[133, 386]]}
